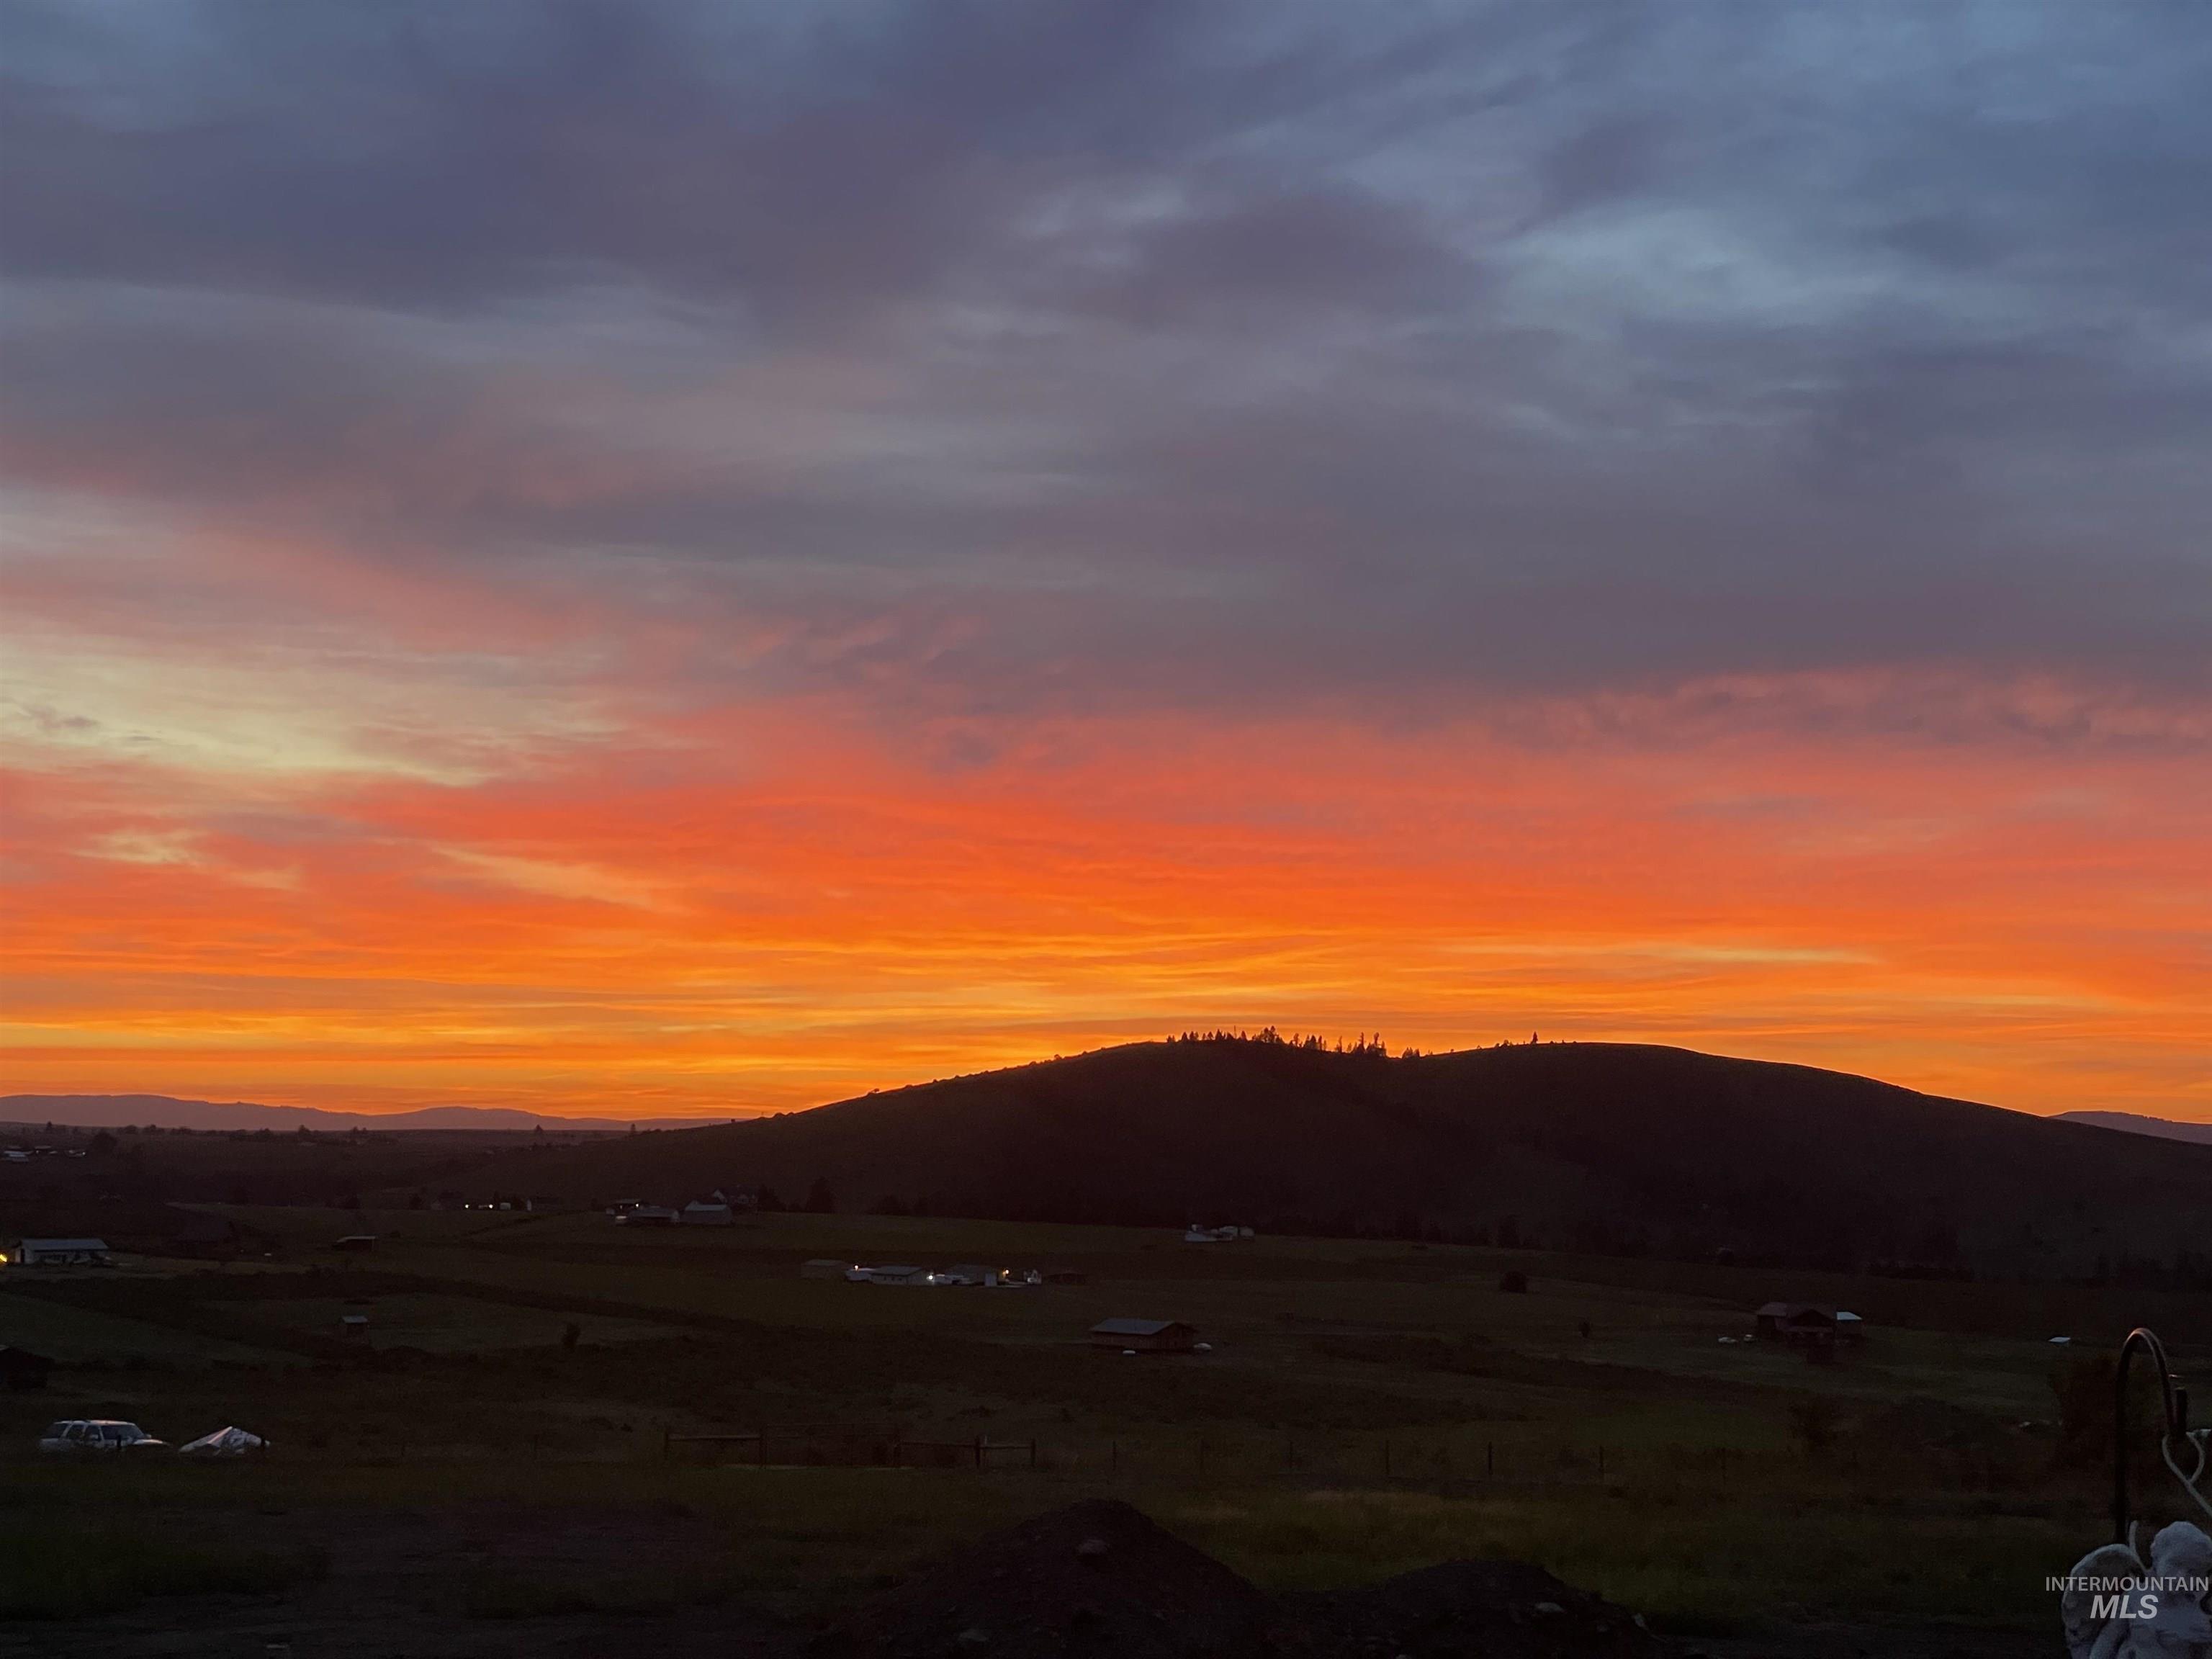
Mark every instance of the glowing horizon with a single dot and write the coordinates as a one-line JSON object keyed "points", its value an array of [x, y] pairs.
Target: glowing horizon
{"points": [[704, 572]]}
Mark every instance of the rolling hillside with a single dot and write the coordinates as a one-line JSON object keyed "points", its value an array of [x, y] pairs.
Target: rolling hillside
{"points": [[2135, 1123], [113, 1111], [1575, 1145]]}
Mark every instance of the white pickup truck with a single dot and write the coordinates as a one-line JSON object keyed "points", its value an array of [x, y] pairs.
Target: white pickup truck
{"points": [[98, 1434]]}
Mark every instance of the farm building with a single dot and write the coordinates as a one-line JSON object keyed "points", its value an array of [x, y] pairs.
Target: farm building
{"points": [[1807, 1322], [144, 1229], [646, 1215], [824, 1267], [1144, 1335], [355, 1242], [61, 1253], [897, 1275], [707, 1213], [975, 1272]]}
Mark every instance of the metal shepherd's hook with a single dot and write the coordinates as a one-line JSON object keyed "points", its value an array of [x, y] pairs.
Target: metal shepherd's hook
{"points": [[2173, 1433]]}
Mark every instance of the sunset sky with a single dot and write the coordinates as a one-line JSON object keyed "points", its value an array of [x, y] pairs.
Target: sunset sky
{"points": [[634, 560]]}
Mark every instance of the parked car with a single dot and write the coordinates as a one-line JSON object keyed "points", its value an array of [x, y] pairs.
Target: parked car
{"points": [[98, 1434]]}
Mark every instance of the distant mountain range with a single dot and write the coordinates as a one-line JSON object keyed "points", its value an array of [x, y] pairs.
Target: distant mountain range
{"points": [[1598, 1147], [113, 1111], [2137, 1124]]}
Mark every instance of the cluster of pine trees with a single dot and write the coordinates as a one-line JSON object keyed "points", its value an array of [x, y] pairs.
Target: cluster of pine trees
{"points": [[1371, 1048]]}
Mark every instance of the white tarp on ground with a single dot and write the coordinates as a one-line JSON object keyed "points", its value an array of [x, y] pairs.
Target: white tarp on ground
{"points": [[224, 1443]]}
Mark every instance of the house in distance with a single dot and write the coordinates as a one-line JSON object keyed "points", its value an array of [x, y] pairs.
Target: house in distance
{"points": [[1809, 1323], [1144, 1335], [60, 1253], [897, 1273]]}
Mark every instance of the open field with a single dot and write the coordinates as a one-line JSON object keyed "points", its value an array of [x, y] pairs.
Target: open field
{"points": [[1367, 1406], [80, 1336]]}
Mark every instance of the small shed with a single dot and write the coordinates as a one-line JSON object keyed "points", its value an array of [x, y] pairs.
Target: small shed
{"points": [[353, 1324], [707, 1213], [1144, 1335], [824, 1267], [355, 1242], [63, 1253]]}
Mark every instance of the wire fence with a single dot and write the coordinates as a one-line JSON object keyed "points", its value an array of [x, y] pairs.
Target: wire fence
{"points": [[786, 1448], [1442, 1462], [1438, 1461]]}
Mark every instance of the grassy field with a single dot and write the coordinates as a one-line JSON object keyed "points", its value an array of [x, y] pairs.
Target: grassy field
{"points": [[1366, 1407]]}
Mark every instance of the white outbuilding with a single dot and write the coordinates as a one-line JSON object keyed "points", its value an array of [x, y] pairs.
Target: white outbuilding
{"points": [[62, 1253], [897, 1275]]}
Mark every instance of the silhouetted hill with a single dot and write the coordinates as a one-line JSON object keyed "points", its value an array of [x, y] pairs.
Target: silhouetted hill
{"points": [[113, 1111], [1584, 1146], [2135, 1123]]}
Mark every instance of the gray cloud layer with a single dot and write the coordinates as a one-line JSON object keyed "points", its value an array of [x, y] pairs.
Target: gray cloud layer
{"points": [[1087, 353]]}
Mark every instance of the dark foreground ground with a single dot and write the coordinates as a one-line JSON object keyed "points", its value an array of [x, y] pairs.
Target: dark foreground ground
{"points": [[1094, 1578], [560, 1436]]}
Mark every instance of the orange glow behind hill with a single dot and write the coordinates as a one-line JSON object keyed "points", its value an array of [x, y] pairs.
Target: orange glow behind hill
{"points": [[778, 905]]}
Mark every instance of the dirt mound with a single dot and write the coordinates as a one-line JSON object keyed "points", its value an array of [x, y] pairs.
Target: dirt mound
{"points": [[1099, 1578], [1095, 1579]]}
